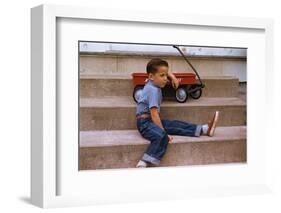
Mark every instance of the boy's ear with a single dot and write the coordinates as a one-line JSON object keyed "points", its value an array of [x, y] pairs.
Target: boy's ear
{"points": [[150, 75]]}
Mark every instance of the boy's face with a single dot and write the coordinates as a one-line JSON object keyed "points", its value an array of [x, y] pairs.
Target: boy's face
{"points": [[160, 78]]}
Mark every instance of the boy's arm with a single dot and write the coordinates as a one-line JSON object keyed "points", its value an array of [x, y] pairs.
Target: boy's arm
{"points": [[171, 75], [174, 80], [155, 117]]}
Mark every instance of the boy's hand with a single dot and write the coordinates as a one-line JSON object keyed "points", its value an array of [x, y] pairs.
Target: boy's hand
{"points": [[175, 82], [170, 138]]}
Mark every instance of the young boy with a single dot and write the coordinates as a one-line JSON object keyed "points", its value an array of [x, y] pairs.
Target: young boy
{"points": [[149, 123]]}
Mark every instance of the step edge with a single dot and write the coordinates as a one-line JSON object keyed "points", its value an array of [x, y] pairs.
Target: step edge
{"points": [[178, 139], [165, 104]]}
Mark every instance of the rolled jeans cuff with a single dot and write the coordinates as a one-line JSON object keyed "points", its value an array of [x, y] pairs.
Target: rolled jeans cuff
{"points": [[198, 130], [150, 159]]}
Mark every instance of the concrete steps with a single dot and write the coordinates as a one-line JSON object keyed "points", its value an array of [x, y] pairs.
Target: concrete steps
{"points": [[118, 112], [121, 85], [108, 135], [123, 148], [111, 64], [109, 138]]}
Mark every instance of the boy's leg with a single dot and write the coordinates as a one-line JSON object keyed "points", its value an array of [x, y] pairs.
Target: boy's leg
{"points": [[177, 127], [158, 143]]}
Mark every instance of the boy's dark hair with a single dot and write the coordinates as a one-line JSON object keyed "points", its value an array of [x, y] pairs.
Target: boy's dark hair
{"points": [[152, 65]]}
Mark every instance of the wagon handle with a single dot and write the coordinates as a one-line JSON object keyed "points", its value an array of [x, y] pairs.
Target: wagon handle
{"points": [[189, 64]]}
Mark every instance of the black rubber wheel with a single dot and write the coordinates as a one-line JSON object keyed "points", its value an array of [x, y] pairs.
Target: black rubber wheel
{"points": [[197, 94], [137, 93], [181, 94]]}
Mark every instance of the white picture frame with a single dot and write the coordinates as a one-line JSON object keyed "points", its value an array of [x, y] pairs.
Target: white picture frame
{"points": [[48, 168]]}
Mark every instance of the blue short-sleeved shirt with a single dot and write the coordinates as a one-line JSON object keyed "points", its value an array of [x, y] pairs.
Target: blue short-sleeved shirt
{"points": [[151, 97]]}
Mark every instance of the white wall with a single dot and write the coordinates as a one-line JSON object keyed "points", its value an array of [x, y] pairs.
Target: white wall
{"points": [[15, 106]]}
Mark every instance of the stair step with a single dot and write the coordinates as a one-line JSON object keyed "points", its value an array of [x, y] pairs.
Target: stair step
{"points": [[206, 66], [122, 85], [118, 112], [123, 148]]}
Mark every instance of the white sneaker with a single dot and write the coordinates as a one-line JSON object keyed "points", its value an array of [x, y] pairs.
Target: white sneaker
{"points": [[141, 164]]}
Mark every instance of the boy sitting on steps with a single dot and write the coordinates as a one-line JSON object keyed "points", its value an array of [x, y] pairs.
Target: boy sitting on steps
{"points": [[149, 123]]}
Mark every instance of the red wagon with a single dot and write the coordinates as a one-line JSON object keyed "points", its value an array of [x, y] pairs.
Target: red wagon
{"points": [[188, 84]]}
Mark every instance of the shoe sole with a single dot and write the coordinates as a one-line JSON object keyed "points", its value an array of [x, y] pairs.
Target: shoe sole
{"points": [[212, 131]]}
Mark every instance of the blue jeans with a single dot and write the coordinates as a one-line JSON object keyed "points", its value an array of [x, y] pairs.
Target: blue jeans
{"points": [[159, 138]]}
